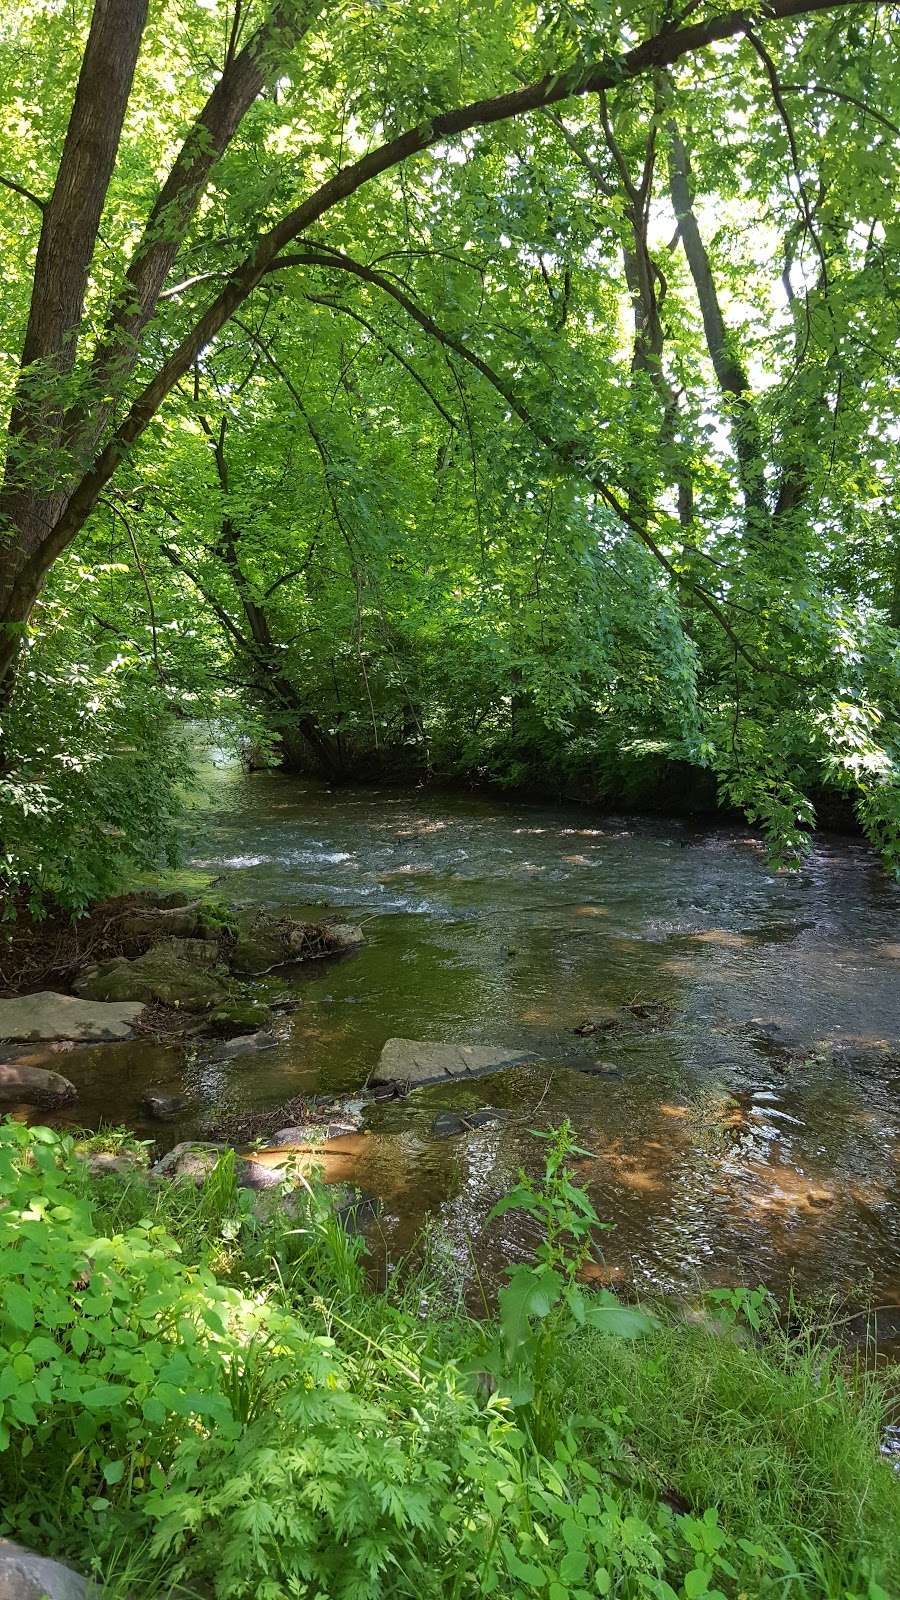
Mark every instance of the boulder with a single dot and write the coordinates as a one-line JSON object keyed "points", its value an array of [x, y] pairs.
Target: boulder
{"points": [[251, 955], [46, 1015], [189, 1162], [25, 1576], [414, 1061], [34, 1086], [161, 974]]}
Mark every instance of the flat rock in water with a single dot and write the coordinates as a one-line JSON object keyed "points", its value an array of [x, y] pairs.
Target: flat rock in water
{"points": [[413, 1061], [25, 1576], [33, 1086], [46, 1015]]}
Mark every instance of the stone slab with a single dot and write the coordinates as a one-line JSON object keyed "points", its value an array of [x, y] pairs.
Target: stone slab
{"points": [[418, 1061], [46, 1015]]}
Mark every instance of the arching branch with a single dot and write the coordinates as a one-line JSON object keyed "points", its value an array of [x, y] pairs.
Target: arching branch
{"points": [[27, 194]]}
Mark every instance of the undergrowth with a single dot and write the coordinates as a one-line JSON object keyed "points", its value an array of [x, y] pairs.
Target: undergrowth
{"points": [[200, 1395]]}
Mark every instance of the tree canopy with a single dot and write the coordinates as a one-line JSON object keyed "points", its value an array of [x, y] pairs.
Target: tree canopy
{"points": [[503, 390]]}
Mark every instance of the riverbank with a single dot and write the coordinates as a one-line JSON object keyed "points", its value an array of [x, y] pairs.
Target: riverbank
{"points": [[211, 1400]]}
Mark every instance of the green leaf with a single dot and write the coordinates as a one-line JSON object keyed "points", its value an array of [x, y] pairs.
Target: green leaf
{"points": [[19, 1306], [696, 1582], [618, 1321], [531, 1292]]}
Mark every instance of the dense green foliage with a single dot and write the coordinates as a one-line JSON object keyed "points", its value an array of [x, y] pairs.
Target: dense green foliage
{"points": [[558, 436], [196, 1394]]}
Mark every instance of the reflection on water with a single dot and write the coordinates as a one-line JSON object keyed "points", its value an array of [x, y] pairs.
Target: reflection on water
{"points": [[750, 1135]]}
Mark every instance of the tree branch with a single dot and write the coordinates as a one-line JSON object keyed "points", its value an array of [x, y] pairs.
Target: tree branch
{"points": [[841, 94], [27, 194], [335, 305], [570, 456]]}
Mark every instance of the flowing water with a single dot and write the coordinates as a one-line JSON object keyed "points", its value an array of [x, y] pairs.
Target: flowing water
{"points": [[744, 1128]]}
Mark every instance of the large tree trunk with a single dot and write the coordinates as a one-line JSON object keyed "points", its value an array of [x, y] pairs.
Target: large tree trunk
{"points": [[38, 469], [49, 487]]}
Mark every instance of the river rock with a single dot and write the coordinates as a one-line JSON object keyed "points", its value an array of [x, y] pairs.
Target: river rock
{"points": [[46, 1015], [239, 1016], [414, 1061], [26, 1576], [160, 974], [104, 1164], [34, 1086], [189, 1162], [245, 1044], [266, 940], [313, 1132], [449, 1123], [346, 935], [254, 1175], [162, 1106], [598, 1069]]}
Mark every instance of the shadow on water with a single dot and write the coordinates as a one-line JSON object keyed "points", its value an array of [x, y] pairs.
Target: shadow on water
{"points": [[750, 1133]]}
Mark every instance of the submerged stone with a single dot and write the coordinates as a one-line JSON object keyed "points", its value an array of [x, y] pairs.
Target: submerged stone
{"points": [[449, 1123], [413, 1061], [245, 1044], [162, 1106], [312, 1132], [46, 1015]]}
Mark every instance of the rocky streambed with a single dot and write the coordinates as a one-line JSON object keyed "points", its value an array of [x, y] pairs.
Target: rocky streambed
{"points": [[153, 970], [725, 1040]]}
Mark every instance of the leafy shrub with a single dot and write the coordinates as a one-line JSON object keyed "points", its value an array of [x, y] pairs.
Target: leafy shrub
{"points": [[89, 775], [109, 1346]]}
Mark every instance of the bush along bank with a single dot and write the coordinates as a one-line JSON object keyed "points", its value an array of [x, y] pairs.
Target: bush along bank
{"points": [[200, 1395]]}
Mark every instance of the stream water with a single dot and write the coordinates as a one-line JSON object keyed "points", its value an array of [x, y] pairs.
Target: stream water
{"points": [[747, 1132]]}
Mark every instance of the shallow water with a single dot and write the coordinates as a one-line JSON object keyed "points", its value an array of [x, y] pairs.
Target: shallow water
{"points": [[753, 1137]]}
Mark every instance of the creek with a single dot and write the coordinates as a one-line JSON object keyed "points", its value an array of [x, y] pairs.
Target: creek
{"points": [[743, 1126]]}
